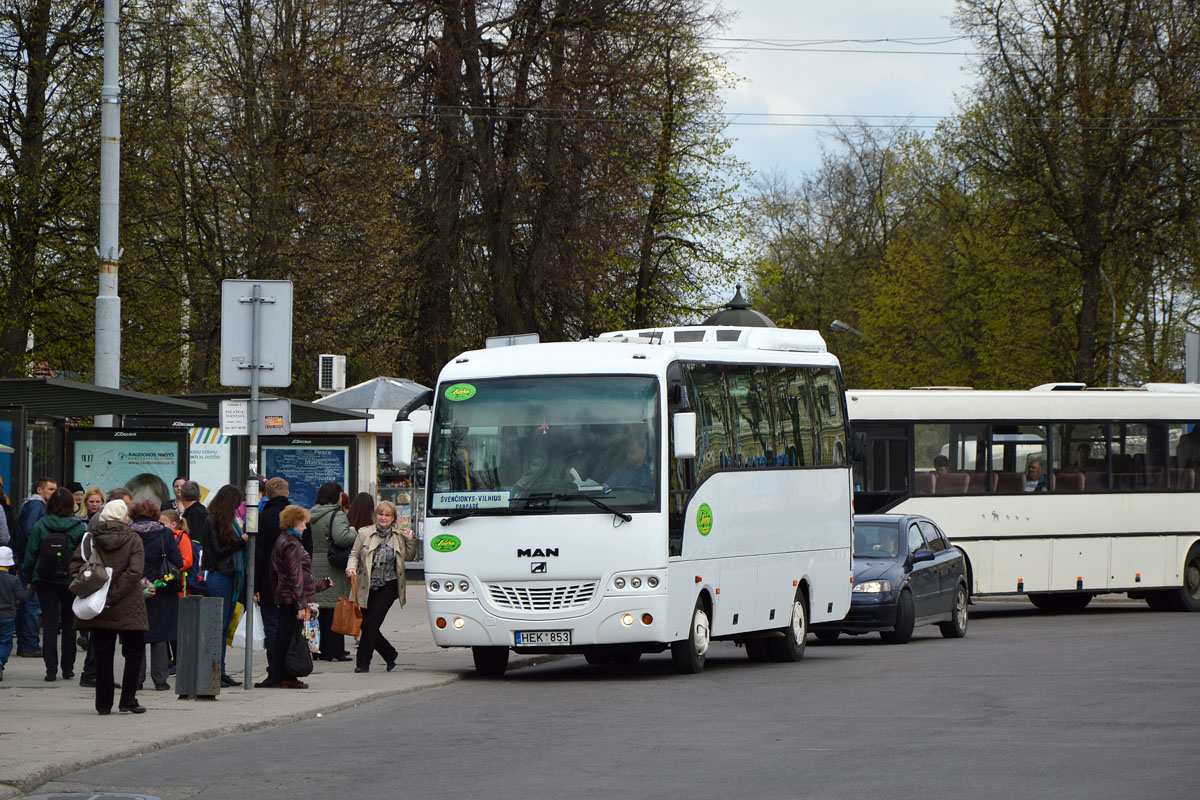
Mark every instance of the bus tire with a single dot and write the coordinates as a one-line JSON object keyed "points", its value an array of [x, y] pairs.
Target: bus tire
{"points": [[1061, 602], [490, 662], [956, 628], [789, 648], [688, 654], [906, 617], [1187, 597]]}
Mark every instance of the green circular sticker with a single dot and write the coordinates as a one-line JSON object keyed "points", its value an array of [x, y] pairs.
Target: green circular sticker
{"points": [[445, 543], [704, 519], [460, 391]]}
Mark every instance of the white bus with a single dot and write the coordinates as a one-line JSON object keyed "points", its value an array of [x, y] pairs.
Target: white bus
{"points": [[639, 491], [1060, 492]]}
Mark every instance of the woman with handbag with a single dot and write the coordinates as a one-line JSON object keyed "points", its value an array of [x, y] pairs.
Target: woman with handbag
{"points": [[291, 575], [47, 558], [332, 539], [379, 553], [164, 564], [124, 613]]}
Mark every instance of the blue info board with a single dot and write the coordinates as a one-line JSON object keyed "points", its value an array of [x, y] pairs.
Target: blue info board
{"points": [[305, 468]]}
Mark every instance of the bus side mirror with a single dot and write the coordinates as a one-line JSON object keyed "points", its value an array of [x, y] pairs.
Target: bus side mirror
{"points": [[684, 430], [402, 440]]}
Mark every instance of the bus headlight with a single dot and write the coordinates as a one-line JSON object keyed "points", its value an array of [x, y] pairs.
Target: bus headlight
{"points": [[619, 583], [635, 582], [433, 586], [463, 586], [652, 582], [459, 622]]}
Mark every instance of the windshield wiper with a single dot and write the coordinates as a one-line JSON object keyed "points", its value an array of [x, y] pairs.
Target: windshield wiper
{"points": [[598, 503], [455, 517]]}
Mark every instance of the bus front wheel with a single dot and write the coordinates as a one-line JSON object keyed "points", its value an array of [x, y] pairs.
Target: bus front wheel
{"points": [[490, 662], [1187, 597], [688, 654]]}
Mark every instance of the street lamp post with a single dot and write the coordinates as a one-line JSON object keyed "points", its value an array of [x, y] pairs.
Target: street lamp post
{"points": [[841, 327]]}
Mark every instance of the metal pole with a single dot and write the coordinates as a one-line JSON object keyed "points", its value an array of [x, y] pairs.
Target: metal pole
{"points": [[252, 483], [108, 302]]}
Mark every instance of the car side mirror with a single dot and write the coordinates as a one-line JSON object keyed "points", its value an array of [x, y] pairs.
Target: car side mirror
{"points": [[922, 555], [684, 432]]}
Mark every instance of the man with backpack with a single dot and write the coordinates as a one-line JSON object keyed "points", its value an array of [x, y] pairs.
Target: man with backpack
{"points": [[32, 511], [48, 553]]}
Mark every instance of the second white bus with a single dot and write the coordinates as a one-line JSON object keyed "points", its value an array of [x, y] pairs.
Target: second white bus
{"points": [[1060, 493]]}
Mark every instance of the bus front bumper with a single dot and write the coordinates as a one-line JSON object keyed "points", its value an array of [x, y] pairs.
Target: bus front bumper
{"points": [[627, 620]]}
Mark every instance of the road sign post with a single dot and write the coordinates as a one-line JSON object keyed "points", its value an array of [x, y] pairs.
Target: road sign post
{"points": [[247, 308]]}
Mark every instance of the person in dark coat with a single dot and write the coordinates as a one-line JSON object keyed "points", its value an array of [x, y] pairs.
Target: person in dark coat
{"points": [[276, 490], [224, 544], [293, 588], [124, 615], [163, 608], [53, 593]]}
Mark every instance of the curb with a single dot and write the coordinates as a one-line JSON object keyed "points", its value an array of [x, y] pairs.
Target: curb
{"points": [[47, 774]]}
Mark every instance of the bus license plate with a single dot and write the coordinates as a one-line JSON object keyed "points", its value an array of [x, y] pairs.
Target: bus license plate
{"points": [[541, 638]]}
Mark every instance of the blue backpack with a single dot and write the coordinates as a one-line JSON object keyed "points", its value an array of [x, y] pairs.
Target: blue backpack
{"points": [[197, 575]]}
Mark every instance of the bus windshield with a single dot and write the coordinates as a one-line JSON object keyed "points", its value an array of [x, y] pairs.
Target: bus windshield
{"points": [[545, 444]]}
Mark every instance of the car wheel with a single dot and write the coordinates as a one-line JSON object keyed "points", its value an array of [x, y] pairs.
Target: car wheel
{"points": [[828, 636], [906, 616], [688, 654], [789, 648], [1061, 602], [758, 651], [956, 628], [490, 662], [1187, 597]]}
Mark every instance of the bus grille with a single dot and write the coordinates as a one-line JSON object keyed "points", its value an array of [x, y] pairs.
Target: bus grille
{"points": [[541, 596]]}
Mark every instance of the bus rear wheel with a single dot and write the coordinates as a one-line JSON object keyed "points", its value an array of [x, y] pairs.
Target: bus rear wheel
{"points": [[790, 646], [1187, 597], [688, 654], [1061, 601], [490, 662]]}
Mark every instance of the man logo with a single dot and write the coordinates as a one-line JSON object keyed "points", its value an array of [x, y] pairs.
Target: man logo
{"points": [[538, 567]]}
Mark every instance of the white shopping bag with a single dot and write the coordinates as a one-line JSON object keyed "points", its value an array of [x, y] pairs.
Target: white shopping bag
{"points": [[239, 635], [89, 607]]}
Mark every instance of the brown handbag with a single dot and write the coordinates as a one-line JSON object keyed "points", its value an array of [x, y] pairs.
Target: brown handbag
{"points": [[347, 614]]}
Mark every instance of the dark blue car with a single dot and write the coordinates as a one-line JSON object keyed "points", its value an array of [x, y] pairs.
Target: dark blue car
{"points": [[906, 573]]}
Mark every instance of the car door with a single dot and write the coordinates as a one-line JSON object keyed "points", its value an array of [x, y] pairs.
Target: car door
{"points": [[944, 558], [923, 577]]}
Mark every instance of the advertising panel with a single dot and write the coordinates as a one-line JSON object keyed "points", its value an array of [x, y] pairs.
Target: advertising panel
{"points": [[143, 461], [306, 464], [211, 460]]}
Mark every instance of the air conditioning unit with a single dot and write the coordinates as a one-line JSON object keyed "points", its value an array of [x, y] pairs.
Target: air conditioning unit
{"points": [[331, 373]]}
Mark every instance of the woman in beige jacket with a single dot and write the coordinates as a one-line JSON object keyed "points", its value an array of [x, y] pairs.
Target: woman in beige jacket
{"points": [[379, 553]]}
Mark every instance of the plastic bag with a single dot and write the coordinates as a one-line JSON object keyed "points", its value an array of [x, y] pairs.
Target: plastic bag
{"points": [[312, 631], [89, 606], [234, 621], [239, 635]]}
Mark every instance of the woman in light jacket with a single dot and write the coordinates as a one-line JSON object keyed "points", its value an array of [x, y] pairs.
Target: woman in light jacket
{"points": [[329, 522], [377, 560]]}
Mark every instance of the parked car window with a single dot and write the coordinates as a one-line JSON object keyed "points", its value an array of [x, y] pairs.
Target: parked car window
{"points": [[915, 542], [932, 535]]}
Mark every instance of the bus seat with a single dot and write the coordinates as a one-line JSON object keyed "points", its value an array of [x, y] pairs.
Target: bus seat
{"points": [[1095, 481], [1183, 479], [1155, 478], [924, 483], [1068, 481], [952, 483], [978, 482], [1010, 481]]}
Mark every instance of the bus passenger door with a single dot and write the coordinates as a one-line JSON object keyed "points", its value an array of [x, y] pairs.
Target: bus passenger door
{"points": [[923, 579]]}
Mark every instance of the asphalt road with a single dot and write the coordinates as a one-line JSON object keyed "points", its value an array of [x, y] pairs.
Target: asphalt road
{"points": [[1101, 704]]}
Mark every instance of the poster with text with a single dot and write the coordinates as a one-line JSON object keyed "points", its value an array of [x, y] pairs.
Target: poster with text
{"points": [[211, 457], [305, 468], [146, 467]]}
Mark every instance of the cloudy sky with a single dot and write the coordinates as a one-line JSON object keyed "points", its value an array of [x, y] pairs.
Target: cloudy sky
{"points": [[788, 93]]}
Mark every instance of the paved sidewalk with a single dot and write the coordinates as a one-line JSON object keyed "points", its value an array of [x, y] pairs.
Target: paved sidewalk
{"points": [[50, 729]]}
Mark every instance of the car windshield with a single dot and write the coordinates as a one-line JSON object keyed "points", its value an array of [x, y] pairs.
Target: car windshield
{"points": [[876, 540], [546, 444]]}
